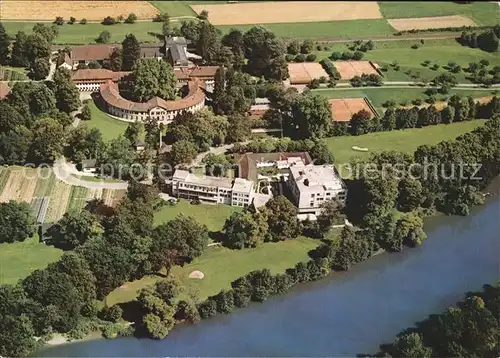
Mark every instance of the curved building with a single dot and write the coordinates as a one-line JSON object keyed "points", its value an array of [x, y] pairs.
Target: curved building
{"points": [[156, 108]]}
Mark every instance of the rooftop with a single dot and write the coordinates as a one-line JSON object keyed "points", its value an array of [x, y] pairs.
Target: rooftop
{"points": [[316, 178], [110, 93], [100, 74], [203, 180], [91, 52], [242, 185], [247, 163]]}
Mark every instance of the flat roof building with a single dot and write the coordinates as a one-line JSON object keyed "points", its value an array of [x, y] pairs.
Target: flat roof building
{"points": [[312, 185]]}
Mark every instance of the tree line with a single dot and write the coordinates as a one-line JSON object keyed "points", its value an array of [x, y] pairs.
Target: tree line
{"points": [[486, 41], [471, 329], [29, 51]]}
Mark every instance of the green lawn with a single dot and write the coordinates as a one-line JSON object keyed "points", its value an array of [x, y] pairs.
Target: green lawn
{"points": [[109, 127], [407, 140], [324, 29], [86, 34], [437, 51], [213, 216], [483, 13], [19, 259], [378, 96], [221, 266]]}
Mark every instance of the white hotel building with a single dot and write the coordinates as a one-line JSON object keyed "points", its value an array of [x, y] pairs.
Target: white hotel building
{"points": [[312, 185], [237, 192]]}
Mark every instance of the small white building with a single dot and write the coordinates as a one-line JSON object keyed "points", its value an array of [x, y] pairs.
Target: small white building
{"points": [[312, 185], [217, 190]]}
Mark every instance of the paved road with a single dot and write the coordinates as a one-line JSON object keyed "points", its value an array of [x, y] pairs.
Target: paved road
{"points": [[65, 173]]}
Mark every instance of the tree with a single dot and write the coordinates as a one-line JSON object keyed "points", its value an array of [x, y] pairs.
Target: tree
{"points": [[74, 229], [83, 21], [159, 317], [448, 114], [131, 52], [190, 30], [360, 122], [389, 120], [18, 57], [86, 114], [4, 46], [244, 229], [410, 194], [234, 40], [17, 336], [168, 289], [131, 18], [111, 314], [351, 249], [182, 238], [281, 218], [332, 213], [103, 37], [14, 145], [40, 69], [153, 78], [115, 60], [307, 46], [59, 21], [117, 157], [49, 139], [409, 230], [16, 222], [49, 33], [311, 118], [71, 21], [203, 15], [410, 345], [208, 42], [67, 95], [183, 151], [238, 129], [293, 47], [133, 131], [321, 154]]}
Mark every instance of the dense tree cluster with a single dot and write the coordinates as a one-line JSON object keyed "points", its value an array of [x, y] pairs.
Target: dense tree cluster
{"points": [[486, 41], [471, 329], [459, 109], [151, 78], [16, 222]]}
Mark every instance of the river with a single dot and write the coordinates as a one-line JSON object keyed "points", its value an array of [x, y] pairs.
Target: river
{"points": [[345, 314]]}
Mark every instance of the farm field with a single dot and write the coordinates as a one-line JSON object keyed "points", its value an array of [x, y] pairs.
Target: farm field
{"points": [[437, 51], [288, 11], [325, 29], [378, 96], [109, 127], [483, 13], [407, 140], [91, 10], [213, 216], [30, 185], [19, 259], [179, 8], [422, 23], [221, 266]]}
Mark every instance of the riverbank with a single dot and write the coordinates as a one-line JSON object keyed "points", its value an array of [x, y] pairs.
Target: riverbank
{"points": [[328, 317]]}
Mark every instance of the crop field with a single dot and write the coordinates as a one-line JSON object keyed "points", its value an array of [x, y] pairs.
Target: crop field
{"points": [[288, 11], [30, 185], [483, 13], [90, 10], [421, 23]]}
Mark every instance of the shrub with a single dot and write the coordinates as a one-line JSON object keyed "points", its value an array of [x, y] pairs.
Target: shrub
{"points": [[289, 57], [426, 63], [322, 79], [403, 103], [430, 100], [332, 83], [335, 56], [311, 57], [103, 37], [161, 18], [300, 57], [389, 103], [358, 55], [326, 48], [293, 47], [435, 67], [314, 84], [86, 114], [319, 47], [108, 20], [83, 21], [132, 18], [347, 55], [208, 308], [111, 314], [203, 15], [72, 20], [330, 69], [414, 46], [59, 21], [417, 102], [307, 46]]}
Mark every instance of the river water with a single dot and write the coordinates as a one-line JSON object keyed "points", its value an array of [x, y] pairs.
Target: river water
{"points": [[347, 313]]}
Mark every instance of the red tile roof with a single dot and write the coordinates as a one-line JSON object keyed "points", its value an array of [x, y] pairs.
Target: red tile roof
{"points": [[100, 74], [110, 93], [91, 52]]}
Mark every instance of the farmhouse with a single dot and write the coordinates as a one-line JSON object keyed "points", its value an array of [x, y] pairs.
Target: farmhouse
{"points": [[312, 185], [156, 108]]}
